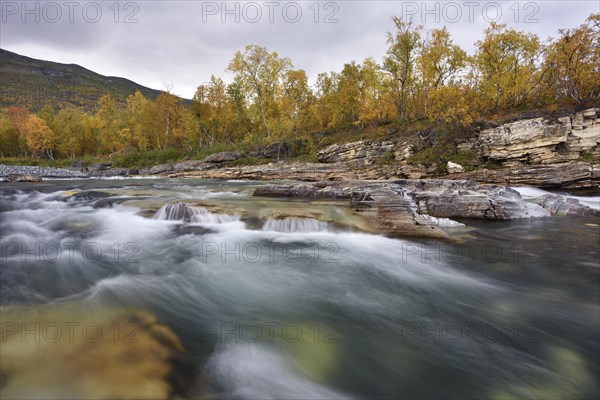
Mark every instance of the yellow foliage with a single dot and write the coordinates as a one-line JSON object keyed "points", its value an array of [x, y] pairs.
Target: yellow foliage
{"points": [[40, 138]]}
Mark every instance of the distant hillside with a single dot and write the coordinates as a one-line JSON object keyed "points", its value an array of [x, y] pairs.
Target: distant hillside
{"points": [[31, 83]]}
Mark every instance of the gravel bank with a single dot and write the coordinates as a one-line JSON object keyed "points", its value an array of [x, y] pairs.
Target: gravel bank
{"points": [[45, 172]]}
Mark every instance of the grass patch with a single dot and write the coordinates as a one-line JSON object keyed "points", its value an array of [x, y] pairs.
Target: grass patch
{"points": [[38, 162], [589, 157], [305, 158], [354, 134], [148, 158], [387, 158], [245, 161]]}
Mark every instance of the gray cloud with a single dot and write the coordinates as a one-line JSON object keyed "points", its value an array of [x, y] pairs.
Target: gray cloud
{"points": [[179, 44]]}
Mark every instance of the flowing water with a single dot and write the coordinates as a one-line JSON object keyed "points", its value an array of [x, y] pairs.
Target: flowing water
{"points": [[307, 305]]}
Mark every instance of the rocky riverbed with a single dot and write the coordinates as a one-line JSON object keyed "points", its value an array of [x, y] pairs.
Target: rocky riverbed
{"points": [[7, 171], [187, 289]]}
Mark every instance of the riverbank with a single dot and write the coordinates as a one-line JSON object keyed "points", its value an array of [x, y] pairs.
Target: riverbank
{"points": [[575, 177], [554, 153]]}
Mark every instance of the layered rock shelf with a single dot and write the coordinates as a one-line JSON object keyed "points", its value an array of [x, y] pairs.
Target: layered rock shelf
{"points": [[540, 140], [405, 207]]}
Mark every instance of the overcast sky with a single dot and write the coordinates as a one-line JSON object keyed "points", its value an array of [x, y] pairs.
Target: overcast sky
{"points": [[178, 44]]}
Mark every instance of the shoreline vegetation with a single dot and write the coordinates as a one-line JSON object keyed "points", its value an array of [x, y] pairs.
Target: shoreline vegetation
{"points": [[550, 152], [427, 95]]}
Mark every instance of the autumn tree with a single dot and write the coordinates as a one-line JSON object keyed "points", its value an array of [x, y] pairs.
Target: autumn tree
{"points": [[349, 93], [508, 64], [360, 95], [17, 116], [442, 64], [70, 132], [109, 120], [9, 136], [241, 124], [573, 63], [168, 129], [139, 117], [376, 98], [47, 113], [214, 110], [40, 138], [295, 102], [403, 45], [326, 92], [261, 73]]}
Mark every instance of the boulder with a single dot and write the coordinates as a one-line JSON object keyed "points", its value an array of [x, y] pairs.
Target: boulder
{"points": [[467, 199], [78, 165], [223, 156], [117, 172], [23, 178], [561, 205], [277, 150], [161, 169], [190, 165], [99, 167], [454, 168]]}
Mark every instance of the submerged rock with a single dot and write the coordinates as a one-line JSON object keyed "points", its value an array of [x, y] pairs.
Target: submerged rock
{"points": [[91, 195], [63, 352], [111, 201]]}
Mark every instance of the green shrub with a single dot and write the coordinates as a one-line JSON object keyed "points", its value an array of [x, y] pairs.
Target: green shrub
{"points": [[388, 157]]}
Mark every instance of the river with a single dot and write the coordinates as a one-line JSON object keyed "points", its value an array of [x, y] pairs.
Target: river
{"points": [[270, 307]]}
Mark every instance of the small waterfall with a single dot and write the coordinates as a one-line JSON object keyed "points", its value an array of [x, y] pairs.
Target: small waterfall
{"points": [[294, 224], [175, 212], [187, 213], [442, 222], [202, 215]]}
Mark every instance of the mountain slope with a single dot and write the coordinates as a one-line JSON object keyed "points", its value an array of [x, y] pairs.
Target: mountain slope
{"points": [[31, 83]]}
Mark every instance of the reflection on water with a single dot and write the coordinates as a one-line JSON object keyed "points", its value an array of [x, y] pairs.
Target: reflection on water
{"points": [[269, 306]]}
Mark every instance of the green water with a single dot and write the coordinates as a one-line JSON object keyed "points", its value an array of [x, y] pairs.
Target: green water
{"points": [[504, 310]]}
